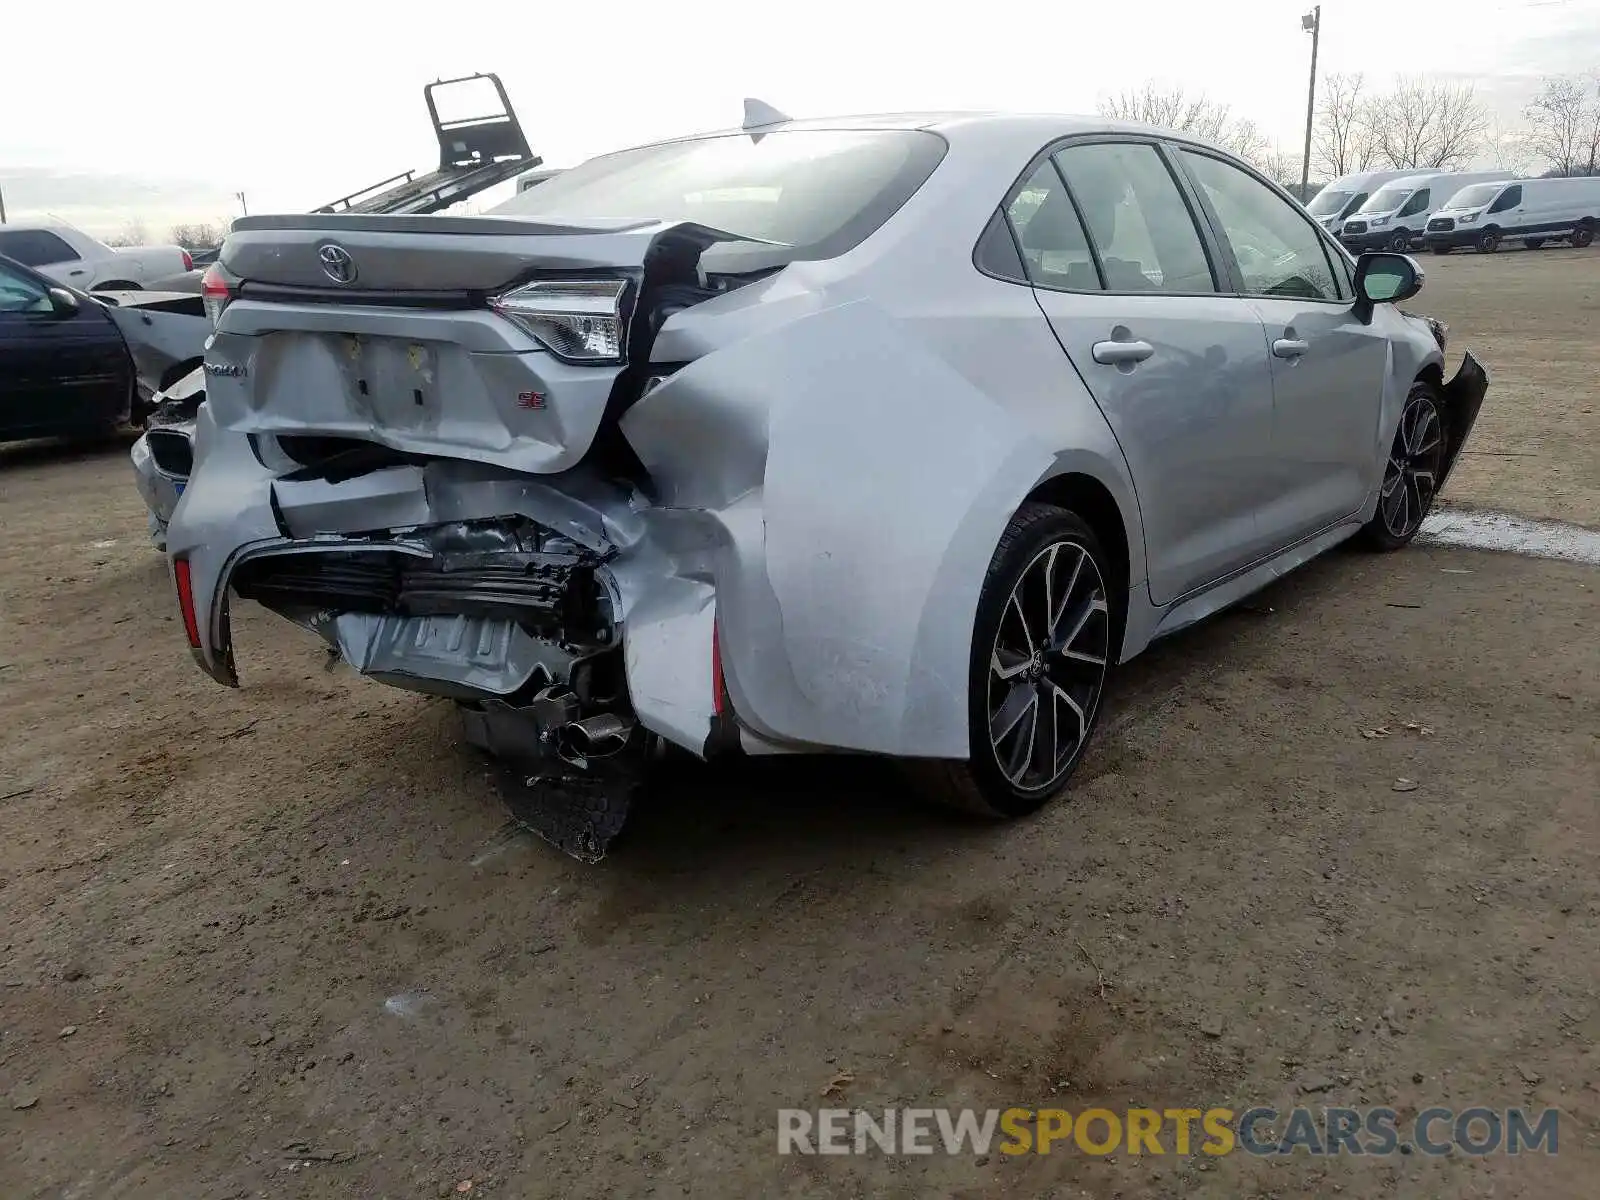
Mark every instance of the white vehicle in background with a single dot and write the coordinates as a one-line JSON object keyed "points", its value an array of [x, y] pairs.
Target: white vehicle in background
{"points": [[1340, 199], [72, 257], [1532, 211], [1399, 211]]}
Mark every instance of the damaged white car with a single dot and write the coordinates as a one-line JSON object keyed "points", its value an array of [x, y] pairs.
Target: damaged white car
{"points": [[888, 435]]}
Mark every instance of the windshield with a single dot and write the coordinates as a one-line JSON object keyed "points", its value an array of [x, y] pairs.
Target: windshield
{"points": [[1326, 203], [1387, 199], [1475, 196], [819, 191]]}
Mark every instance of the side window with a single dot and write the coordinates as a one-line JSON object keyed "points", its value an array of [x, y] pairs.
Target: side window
{"points": [[1055, 251], [1138, 219], [35, 247], [1417, 204], [1509, 198], [19, 294], [1278, 251], [1359, 199]]}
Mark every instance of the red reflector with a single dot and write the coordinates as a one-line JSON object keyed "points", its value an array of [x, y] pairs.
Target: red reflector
{"points": [[188, 261], [719, 687], [180, 573]]}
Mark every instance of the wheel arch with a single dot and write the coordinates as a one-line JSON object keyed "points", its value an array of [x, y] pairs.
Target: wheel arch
{"points": [[1092, 500]]}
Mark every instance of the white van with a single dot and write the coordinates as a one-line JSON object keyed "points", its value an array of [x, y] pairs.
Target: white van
{"points": [[1532, 211], [1344, 195], [1398, 212]]}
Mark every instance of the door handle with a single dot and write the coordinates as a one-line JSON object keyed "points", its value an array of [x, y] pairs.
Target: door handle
{"points": [[1116, 353], [77, 272], [1289, 348]]}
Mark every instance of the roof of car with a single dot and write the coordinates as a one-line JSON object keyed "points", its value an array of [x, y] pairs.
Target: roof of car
{"points": [[1043, 125]]}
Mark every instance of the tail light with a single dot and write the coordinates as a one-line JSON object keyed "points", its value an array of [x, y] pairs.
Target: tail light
{"points": [[577, 320], [214, 292], [180, 576], [188, 260]]}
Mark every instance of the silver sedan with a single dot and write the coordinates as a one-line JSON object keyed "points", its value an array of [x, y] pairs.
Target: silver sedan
{"points": [[889, 435]]}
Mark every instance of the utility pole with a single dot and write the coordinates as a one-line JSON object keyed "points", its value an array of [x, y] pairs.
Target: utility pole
{"points": [[242, 204], [1312, 24]]}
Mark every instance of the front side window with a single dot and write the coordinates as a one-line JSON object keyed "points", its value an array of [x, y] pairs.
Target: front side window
{"points": [[1509, 198], [816, 192], [1137, 218], [1417, 204], [1055, 250], [35, 247], [19, 294], [1278, 250]]}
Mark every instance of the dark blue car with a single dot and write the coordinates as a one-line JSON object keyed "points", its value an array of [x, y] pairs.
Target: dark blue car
{"points": [[64, 368]]}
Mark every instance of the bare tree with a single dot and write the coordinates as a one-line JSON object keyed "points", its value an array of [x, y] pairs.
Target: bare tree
{"points": [[200, 235], [133, 233], [1564, 124], [1278, 165], [1426, 125], [1173, 108], [1509, 148], [1341, 141]]}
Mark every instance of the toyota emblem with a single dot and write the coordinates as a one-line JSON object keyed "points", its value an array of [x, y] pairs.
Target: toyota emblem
{"points": [[337, 264]]}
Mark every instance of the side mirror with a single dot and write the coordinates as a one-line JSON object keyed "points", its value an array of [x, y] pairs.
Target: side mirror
{"points": [[1387, 278], [62, 302]]}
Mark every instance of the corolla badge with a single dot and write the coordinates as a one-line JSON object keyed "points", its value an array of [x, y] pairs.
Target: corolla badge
{"points": [[337, 263]]}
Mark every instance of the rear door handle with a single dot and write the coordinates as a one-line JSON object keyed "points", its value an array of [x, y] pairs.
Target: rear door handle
{"points": [[1289, 347], [77, 272], [1112, 353]]}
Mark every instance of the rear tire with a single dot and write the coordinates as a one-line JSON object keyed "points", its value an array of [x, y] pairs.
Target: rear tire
{"points": [[1411, 473], [1044, 644]]}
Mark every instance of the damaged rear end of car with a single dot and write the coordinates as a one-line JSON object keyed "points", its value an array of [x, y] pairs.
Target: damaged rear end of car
{"points": [[410, 447]]}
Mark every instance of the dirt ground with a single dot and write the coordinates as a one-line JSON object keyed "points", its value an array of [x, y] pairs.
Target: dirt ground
{"points": [[283, 942]]}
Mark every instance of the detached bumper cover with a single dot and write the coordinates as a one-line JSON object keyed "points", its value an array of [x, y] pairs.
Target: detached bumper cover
{"points": [[1463, 398]]}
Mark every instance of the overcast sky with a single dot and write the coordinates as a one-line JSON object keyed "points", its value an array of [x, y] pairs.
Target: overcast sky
{"points": [[163, 109]]}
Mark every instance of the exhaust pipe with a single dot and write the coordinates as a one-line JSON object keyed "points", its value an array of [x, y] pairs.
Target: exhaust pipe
{"points": [[595, 737]]}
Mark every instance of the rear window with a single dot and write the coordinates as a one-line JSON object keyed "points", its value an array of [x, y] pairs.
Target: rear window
{"points": [[818, 191]]}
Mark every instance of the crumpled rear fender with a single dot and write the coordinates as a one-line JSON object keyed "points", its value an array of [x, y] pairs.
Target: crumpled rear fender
{"points": [[858, 486]]}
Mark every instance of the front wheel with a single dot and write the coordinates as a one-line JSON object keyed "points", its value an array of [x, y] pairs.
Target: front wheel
{"points": [[1411, 475], [1042, 650], [1400, 242], [1582, 236], [1489, 241]]}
